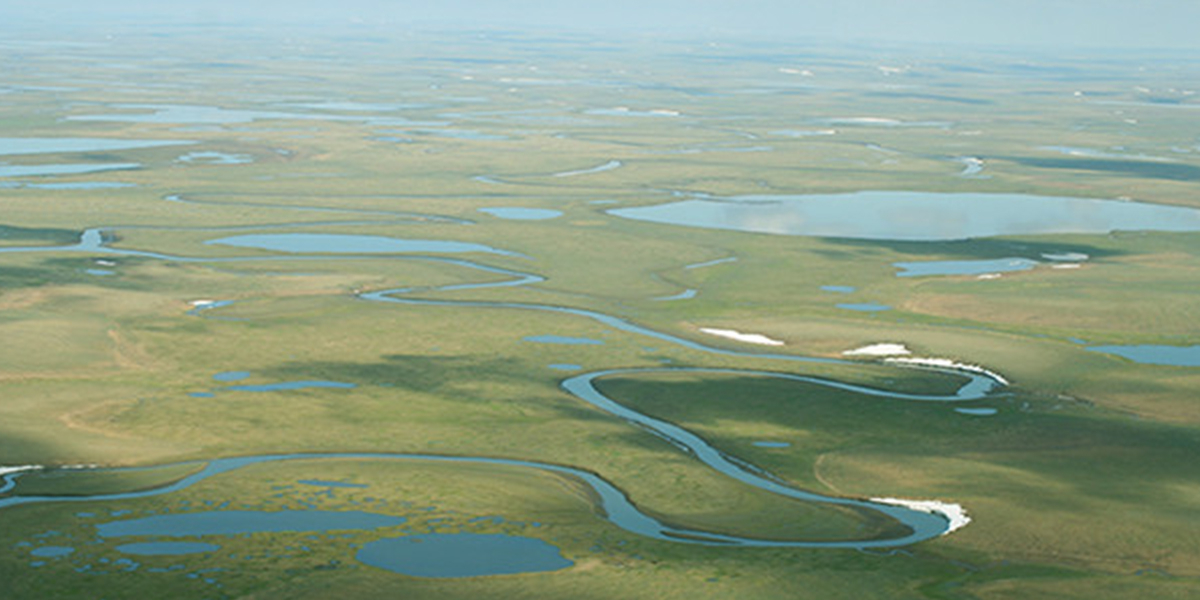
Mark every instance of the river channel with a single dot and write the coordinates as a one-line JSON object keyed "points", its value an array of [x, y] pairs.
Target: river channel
{"points": [[611, 502]]}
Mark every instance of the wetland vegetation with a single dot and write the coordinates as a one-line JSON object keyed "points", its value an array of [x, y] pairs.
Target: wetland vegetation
{"points": [[257, 345]]}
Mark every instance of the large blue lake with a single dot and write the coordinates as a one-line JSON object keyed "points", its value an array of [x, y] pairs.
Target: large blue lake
{"points": [[916, 216]]}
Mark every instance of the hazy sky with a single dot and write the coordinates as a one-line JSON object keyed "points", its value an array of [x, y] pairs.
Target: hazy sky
{"points": [[1103, 23]]}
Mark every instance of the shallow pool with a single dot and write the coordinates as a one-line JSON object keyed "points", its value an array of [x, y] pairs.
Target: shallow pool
{"points": [[963, 267], [864, 306], [562, 339], [522, 214], [1176, 356]]}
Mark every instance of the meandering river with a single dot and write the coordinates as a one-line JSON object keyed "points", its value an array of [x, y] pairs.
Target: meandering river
{"points": [[612, 502]]}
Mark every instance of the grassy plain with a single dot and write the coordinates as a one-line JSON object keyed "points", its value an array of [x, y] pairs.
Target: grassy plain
{"points": [[1081, 486]]}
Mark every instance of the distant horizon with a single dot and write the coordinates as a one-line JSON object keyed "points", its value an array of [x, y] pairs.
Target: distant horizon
{"points": [[1153, 25]]}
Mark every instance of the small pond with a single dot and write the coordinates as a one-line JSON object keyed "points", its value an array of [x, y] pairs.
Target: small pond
{"points": [[38, 145], [684, 295], [215, 158], [838, 289], [286, 386], [447, 555], [522, 214], [978, 412], [461, 134], [1176, 356], [916, 216], [348, 244], [565, 367], [864, 306], [766, 444], [562, 339], [72, 185], [963, 267], [65, 169]]}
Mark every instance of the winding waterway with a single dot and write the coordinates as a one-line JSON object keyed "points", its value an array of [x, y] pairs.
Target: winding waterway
{"points": [[611, 501]]}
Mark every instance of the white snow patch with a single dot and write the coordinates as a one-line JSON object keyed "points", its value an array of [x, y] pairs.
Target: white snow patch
{"points": [[1065, 256], [986, 276], [202, 302], [955, 513], [947, 363], [1066, 266], [749, 338], [884, 349], [18, 469]]}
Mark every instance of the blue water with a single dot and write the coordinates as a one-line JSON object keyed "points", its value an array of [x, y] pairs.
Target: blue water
{"points": [[72, 169], [235, 522], [963, 267], [684, 295], [446, 555], [608, 166], [864, 306], [199, 308], [284, 386], [215, 158], [838, 289], [917, 216], [348, 244], [1149, 354], [611, 502], [71, 185], [39, 145], [167, 548], [711, 263], [772, 444], [622, 111], [231, 375], [565, 367], [979, 412], [562, 339], [52, 551], [99, 272], [337, 484], [183, 113], [461, 134], [522, 214]]}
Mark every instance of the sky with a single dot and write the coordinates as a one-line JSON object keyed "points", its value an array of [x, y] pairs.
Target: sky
{"points": [[1116, 24]]}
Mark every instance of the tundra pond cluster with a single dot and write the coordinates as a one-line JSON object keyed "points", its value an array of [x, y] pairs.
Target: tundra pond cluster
{"points": [[445, 315]]}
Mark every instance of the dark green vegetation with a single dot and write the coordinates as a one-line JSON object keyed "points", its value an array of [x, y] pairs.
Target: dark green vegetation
{"points": [[1081, 486]]}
